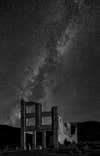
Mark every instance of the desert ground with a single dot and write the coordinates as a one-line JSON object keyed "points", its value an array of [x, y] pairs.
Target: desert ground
{"points": [[46, 153]]}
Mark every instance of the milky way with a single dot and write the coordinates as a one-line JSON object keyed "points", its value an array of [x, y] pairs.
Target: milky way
{"points": [[50, 54]]}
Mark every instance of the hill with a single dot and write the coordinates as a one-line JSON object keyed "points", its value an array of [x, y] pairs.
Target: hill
{"points": [[88, 131]]}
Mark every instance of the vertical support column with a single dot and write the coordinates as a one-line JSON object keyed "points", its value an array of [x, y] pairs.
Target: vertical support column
{"points": [[55, 126], [23, 135], [34, 140], [38, 119], [38, 112], [24, 140], [44, 139]]}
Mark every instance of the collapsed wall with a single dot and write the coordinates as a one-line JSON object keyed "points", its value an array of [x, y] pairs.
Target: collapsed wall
{"points": [[65, 132]]}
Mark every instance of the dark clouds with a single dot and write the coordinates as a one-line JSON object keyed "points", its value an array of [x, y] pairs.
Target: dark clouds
{"points": [[49, 52]]}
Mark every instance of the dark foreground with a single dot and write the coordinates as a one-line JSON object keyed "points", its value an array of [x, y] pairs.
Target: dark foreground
{"points": [[49, 153]]}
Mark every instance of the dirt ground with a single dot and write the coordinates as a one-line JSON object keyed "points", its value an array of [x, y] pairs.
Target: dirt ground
{"points": [[45, 153]]}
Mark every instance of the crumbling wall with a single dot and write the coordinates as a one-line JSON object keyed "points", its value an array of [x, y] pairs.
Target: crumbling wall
{"points": [[64, 132]]}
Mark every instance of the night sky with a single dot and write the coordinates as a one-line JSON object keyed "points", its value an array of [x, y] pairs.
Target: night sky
{"points": [[50, 53]]}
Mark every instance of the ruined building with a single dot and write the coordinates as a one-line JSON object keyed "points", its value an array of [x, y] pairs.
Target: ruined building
{"points": [[46, 126]]}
